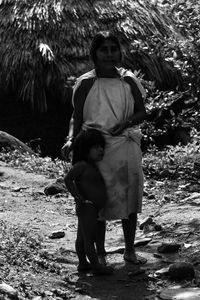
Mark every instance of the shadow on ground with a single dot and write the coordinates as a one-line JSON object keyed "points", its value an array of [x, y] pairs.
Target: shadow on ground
{"points": [[121, 285]]}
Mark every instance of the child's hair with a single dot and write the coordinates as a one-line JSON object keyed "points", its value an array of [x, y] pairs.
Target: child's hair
{"points": [[84, 141], [99, 39]]}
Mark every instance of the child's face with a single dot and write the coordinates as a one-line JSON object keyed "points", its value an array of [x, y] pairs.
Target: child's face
{"points": [[108, 55], [96, 153]]}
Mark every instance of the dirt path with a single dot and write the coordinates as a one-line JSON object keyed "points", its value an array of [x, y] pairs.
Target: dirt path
{"points": [[23, 203]]}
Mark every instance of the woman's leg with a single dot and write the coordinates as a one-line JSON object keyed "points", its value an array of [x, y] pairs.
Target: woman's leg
{"points": [[129, 229]]}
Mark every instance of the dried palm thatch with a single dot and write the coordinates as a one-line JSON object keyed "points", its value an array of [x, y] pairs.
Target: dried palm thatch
{"points": [[155, 69], [44, 42]]}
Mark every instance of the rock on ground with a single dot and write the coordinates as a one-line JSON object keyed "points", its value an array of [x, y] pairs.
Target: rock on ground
{"points": [[8, 141]]}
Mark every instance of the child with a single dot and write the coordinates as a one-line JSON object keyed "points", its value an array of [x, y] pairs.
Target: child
{"points": [[87, 186]]}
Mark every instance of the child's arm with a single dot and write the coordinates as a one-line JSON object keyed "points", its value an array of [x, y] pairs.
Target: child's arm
{"points": [[70, 178]]}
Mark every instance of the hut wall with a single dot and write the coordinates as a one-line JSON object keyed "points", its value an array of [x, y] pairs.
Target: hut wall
{"points": [[44, 130]]}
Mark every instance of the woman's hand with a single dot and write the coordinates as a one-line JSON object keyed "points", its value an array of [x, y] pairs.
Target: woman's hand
{"points": [[66, 149], [119, 128]]}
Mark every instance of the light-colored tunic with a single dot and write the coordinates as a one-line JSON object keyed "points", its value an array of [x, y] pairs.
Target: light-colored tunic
{"points": [[109, 102]]}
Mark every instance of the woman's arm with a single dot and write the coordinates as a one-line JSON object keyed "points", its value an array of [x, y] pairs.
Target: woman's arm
{"points": [[79, 101], [77, 117], [139, 109]]}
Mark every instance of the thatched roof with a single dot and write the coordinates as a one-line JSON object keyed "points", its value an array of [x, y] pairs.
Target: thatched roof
{"points": [[44, 42]]}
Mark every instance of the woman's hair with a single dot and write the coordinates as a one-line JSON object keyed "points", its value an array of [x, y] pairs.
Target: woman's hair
{"points": [[99, 39], [84, 141]]}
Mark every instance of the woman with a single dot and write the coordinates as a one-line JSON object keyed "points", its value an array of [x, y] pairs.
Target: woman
{"points": [[110, 99]]}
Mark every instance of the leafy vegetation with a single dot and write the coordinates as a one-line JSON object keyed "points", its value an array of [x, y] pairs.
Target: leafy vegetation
{"points": [[34, 163], [179, 162], [44, 47], [44, 43], [173, 100], [33, 271], [23, 258]]}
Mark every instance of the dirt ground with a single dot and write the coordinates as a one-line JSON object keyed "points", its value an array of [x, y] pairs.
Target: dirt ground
{"points": [[23, 203]]}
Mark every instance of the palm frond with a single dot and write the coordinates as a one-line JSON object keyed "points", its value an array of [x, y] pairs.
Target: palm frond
{"points": [[44, 42]]}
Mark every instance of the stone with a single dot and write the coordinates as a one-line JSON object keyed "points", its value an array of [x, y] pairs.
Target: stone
{"points": [[168, 247], [115, 249], [162, 272], [8, 290], [145, 193], [7, 141], [178, 293], [84, 297], [152, 227], [54, 189], [194, 197], [48, 293], [2, 260], [186, 246], [181, 270], [157, 227], [57, 235], [142, 242], [145, 222], [165, 173], [57, 187]]}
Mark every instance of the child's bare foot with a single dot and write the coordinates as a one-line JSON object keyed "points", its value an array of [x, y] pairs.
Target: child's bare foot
{"points": [[84, 267], [102, 260], [102, 270]]}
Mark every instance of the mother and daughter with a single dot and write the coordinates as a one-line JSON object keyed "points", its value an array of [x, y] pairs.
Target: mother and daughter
{"points": [[106, 178]]}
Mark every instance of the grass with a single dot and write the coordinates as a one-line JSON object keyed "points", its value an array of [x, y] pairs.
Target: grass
{"points": [[173, 162], [34, 163]]}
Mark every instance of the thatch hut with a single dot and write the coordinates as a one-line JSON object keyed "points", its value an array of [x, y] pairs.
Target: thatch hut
{"points": [[44, 45]]}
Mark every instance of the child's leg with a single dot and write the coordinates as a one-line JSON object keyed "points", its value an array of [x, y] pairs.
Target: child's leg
{"points": [[100, 242], [88, 222], [80, 250], [100, 238]]}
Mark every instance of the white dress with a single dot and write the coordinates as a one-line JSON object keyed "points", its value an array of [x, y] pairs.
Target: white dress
{"points": [[109, 102]]}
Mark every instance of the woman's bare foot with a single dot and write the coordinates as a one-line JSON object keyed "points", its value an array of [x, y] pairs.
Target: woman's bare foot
{"points": [[133, 258]]}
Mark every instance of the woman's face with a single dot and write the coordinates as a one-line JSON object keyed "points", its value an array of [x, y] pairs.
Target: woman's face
{"points": [[108, 55]]}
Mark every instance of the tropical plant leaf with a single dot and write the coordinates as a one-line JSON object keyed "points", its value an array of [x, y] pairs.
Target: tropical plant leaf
{"points": [[48, 40]]}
